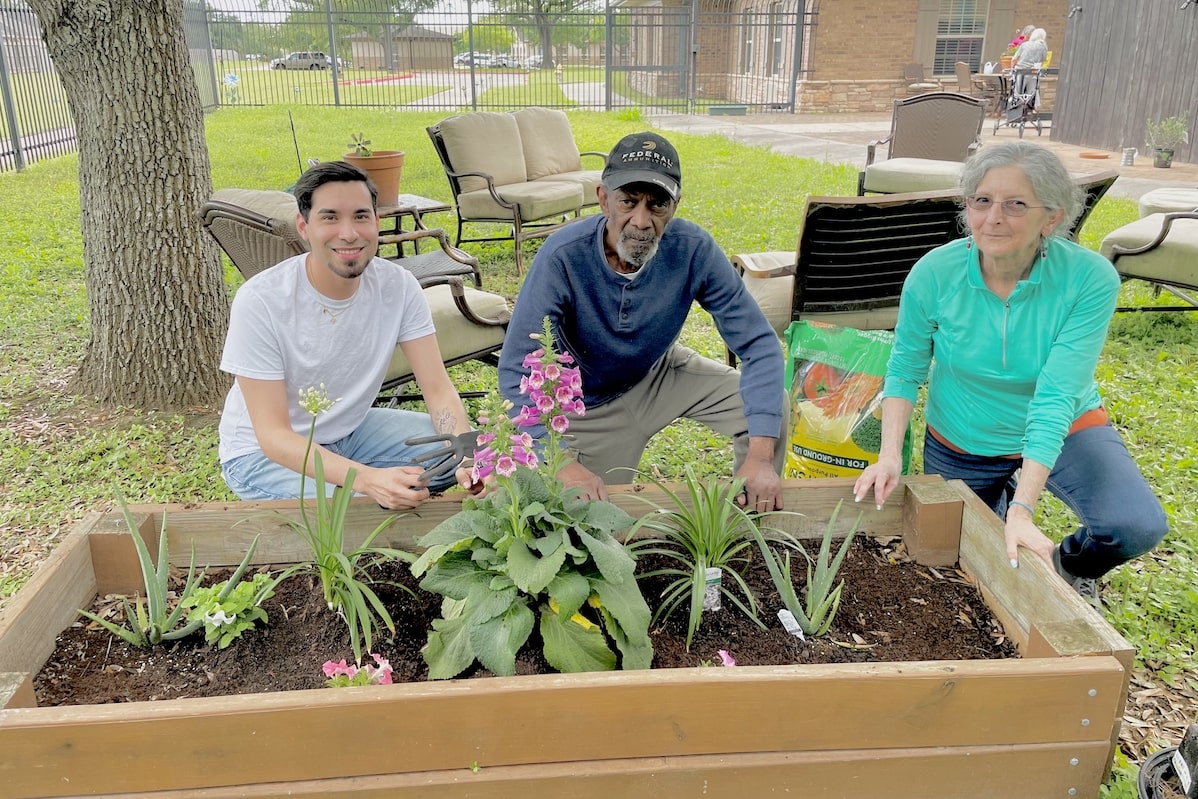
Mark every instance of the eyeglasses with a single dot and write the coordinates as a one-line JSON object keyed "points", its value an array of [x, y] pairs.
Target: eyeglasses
{"points": [[1009, 207]]}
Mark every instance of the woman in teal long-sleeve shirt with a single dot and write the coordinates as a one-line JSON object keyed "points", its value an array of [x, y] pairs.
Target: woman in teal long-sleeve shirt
{"points": [[1010, 323]]}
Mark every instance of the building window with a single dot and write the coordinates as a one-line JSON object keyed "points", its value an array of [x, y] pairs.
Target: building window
{"points": [[776, 36], [959, 33], [746, 43]]}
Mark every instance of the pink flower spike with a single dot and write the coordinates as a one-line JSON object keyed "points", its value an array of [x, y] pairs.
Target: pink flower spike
{"points": [[527, 417], [553, 372], [725, 658], [560, 424], [545, 403], [533, 358], [505, 466]]}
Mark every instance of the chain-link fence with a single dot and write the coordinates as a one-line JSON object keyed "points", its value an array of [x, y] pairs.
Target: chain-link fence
{"points": [[595, 55]]}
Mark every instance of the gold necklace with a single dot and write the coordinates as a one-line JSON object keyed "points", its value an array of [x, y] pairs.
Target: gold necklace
{"points": [[328, 312], [333, 314]]}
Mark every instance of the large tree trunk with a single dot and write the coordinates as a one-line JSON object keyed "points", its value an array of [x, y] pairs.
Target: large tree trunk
{"points": [[155, 286]]}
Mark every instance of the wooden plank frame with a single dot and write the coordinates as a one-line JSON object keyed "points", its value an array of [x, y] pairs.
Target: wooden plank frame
{"points": [[1039, 726]]}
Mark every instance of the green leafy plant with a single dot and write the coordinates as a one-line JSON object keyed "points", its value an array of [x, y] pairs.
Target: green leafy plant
{"points": [[531, 550], [229, 608], [705, 529], [343, 575], [360, 145], [1166, 134], [155, 621], [817, 610]]}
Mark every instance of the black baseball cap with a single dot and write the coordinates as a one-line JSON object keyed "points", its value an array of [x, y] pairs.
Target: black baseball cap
{"points": [[644, 158]]}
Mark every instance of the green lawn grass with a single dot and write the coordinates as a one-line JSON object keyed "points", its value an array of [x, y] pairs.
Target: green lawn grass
{"points": [[63, 457]]}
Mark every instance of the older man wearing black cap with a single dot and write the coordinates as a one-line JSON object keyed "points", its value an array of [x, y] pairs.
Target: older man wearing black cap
{"points": [[617, 288]]}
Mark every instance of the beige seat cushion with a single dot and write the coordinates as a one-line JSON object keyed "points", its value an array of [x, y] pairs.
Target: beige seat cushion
{"points": [[484, 142], [537, 200], [1174, 262], [278, 205], [457, 336], [898, 175], [587, 179], [1160, 201], [547, 141]]}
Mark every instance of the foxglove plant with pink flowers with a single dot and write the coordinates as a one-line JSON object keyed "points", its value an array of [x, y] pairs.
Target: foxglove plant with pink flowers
{"points": [[530, 552]]}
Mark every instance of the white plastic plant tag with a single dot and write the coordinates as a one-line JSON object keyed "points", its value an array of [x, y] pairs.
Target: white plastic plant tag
{"points": [[1182, 769], [791, 624], [711, 590]]}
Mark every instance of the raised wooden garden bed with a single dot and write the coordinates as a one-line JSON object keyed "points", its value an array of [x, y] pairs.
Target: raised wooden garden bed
{"points": [[1043, 725]]}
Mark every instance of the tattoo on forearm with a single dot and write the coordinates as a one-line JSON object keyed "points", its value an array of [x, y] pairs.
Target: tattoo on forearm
{"points": [[445, 421]]}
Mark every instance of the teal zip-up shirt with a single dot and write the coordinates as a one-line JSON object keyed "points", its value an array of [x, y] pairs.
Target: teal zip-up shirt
{"points": [[1007, 376]]}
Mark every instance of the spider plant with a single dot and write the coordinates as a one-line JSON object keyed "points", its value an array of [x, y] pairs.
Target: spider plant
{"points": [[342, 574], [704, 529], [817, 610]]}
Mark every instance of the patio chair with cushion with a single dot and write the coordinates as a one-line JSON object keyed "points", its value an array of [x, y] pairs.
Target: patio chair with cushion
{"points": [[484, 160], [470, 323], [931, 135], [1161, 249], [551, 154], [917, 82], [852, 258]]}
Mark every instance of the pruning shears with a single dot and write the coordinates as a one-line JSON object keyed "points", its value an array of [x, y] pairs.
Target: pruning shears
{"points": [[444, 460]]}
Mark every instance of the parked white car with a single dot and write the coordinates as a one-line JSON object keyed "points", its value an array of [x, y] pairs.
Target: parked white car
{"points": [[307, 59]]}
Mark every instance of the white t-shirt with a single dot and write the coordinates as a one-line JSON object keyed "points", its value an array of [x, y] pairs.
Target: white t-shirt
{"points": [[281, 328]]}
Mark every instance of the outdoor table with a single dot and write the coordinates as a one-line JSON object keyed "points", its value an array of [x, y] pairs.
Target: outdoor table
{"points": [[412, 205]]}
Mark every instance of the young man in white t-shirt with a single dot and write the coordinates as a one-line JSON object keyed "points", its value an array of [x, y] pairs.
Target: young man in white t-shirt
{"points": [[332, 318]]}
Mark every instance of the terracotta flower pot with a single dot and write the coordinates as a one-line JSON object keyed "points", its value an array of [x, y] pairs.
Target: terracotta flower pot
{"points": [[1006, 61], [384, 168]]}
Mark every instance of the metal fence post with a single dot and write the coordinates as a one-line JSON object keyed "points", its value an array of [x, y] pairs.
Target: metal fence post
{"points": [[10, 110]]}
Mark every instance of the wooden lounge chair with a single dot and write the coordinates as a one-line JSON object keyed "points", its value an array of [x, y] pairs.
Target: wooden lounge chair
{"points": [[470, 323]]}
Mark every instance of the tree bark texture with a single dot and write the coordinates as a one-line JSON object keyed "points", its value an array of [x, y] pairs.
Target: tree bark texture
{"points": [[154, 281]]}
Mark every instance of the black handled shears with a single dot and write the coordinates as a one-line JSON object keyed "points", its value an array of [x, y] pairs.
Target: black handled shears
{"points": [[444, 460]]}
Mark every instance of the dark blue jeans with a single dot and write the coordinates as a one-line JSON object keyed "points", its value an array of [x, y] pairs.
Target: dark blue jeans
{"points": [[1094, 476]]}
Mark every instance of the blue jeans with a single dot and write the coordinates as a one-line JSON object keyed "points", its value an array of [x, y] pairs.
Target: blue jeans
{"points": [[1094, 476], [377, 442]]}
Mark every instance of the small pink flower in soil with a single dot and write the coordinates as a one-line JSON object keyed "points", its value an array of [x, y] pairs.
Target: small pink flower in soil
{"points": [[725, 658], [332, 669]]}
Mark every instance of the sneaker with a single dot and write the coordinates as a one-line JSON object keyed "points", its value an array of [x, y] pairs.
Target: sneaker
{"points": [[1086, 587]]}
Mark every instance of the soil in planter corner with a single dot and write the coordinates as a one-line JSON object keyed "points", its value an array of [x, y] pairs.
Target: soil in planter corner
{"points": [[891, 609]]}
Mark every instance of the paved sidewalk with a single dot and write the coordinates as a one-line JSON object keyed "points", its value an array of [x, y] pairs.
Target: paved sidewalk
{"points": [[843, 138]]}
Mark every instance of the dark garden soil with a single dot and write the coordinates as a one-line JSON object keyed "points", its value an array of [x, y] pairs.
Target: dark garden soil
{"points": [[892, 609]]}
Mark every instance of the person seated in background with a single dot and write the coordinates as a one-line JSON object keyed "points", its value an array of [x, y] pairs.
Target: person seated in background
{"points": [[617, 288], [1010, 322], [332, 318]]}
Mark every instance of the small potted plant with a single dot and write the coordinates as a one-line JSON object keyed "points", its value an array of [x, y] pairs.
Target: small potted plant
{"points": [[1164, 136], [383, 167]]}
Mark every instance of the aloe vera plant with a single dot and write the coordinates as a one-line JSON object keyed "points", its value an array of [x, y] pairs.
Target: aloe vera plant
{"points": [[817, 610], [154, 621]]}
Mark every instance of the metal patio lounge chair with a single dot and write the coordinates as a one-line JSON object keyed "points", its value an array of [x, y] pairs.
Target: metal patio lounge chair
{"points": [[931, 135]]}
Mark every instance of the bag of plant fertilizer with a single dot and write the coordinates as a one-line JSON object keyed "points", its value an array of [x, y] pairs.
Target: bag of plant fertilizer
{"points": [[834, 376]]}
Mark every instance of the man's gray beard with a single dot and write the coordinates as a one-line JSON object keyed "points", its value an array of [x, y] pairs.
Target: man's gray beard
{"points": [[638, 260]]}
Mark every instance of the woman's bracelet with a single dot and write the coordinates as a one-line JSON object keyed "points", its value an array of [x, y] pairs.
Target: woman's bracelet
{"points": [[1030, 510]]}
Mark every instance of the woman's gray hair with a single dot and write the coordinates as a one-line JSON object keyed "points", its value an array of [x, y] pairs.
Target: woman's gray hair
{"points": [[1038, 35], [1054, 189]]}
